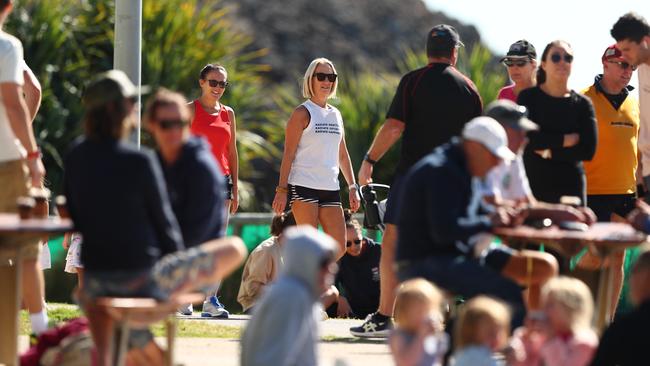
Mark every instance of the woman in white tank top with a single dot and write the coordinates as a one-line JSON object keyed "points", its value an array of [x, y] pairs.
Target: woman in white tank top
{"points": [[314, 152]]}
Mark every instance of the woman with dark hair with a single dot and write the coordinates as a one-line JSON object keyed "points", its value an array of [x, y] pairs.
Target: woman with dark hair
{"points": [[117, 198], [314, 153], [567, 134], [216, 123], [264, 263]]}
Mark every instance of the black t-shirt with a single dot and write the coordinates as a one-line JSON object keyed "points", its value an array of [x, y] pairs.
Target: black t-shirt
{"points": [[626, 341], [562, 174], [358, 279], [434, 103]]}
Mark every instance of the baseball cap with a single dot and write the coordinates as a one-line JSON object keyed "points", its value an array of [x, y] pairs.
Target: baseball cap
{"points": [[489, 133], [612, 53], [107, 87], [521, 49], [510, 114], [443, 36]]}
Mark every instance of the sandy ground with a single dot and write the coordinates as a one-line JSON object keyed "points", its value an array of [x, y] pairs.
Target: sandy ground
{"points": [[338, 348]]}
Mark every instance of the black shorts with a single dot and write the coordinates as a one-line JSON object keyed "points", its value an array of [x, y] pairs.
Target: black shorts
{"points": [[391, 216], [604, 205], [229, 186], [318, 196]]}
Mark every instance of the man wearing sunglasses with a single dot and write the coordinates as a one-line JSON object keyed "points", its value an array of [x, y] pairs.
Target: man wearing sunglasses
{"points": [[632, 35], [431, 105], [522, 64]]}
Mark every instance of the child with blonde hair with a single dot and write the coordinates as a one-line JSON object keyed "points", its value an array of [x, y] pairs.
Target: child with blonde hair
{"points": [[482, 329], [418, 338]]}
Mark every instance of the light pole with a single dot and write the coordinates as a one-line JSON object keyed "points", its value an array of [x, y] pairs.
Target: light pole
{"points": [[128, 47]]}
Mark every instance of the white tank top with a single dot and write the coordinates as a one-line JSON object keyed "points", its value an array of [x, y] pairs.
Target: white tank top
{"points": [[316, 164]]}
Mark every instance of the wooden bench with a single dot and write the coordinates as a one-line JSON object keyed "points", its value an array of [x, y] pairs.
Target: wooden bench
{"points": [[139, 313]]}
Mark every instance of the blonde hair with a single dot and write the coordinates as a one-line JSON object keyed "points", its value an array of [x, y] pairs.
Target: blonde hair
{"points": [[474, 314], [574, 296], [415, 290], [307, 91]]}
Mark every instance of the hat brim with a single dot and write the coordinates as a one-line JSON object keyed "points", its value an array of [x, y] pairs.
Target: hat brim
{"points": [[504, 153], [524, 124], [515, 57]]}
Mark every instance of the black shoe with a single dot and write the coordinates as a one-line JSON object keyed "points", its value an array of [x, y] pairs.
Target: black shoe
{"points": [[375, 326]]}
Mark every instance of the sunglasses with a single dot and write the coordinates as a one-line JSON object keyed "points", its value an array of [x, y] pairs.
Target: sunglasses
{"points": [[556, 57], [217, 83], [355, 241], [321, 76], [518, 63], [624, 65], [168, 124]]}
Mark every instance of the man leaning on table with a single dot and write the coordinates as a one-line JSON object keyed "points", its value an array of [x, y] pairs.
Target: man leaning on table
{"points": [[20, 165]]}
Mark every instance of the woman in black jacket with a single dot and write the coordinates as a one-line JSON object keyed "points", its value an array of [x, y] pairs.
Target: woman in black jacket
{"points": [[567, 135]]}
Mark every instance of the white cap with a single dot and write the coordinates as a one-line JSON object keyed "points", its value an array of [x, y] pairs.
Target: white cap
{"points": [[489, 133]]}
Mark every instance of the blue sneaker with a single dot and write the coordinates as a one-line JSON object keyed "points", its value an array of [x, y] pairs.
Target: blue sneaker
{"points": [[212, 308]]}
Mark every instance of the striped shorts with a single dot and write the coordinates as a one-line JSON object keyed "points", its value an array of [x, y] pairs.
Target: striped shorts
{"points": [[320, 197]]}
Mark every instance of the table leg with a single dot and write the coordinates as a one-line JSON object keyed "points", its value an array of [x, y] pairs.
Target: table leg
{"points": [[171, 335], [10, 285], [605, 288]]}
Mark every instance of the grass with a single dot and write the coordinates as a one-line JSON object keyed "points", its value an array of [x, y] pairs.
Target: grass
{"points": [[59, 313]]}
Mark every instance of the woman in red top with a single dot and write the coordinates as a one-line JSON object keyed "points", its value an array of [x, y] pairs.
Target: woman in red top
{"points": [[216, 122]]}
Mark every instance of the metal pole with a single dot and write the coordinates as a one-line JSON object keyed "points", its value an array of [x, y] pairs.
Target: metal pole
{"points": [[128, 47]]}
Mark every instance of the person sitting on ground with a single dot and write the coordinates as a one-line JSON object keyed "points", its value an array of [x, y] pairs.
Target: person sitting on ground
{"points": [[482, 330], [117, 198], [443, 213], [264, 263], [358, 276], [418, 338], [194, 182], [568, 339], [626, 341], [283, 330]]}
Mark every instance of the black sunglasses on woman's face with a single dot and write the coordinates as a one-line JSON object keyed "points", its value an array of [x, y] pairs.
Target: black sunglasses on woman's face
{"points": [[168, 124], [355, 241], [518, 63], [321, 76], [556, 57], [217, 83]]}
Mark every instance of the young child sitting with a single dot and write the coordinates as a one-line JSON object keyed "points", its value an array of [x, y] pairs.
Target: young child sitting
{"points": [[418, 338], [482, 329], [564, 337]]}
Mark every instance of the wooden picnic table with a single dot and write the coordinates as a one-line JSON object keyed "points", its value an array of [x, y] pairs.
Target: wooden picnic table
{"points": [[604, 239], [12, 227]]}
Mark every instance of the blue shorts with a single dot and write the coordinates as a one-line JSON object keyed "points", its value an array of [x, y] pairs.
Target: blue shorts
{"points": [[393, 203]]}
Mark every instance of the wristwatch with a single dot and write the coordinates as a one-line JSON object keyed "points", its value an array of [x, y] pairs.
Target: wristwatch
{"points": [[370, 161]]}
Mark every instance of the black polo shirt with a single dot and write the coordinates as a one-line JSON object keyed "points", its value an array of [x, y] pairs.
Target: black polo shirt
{"points": [[434, 103]]}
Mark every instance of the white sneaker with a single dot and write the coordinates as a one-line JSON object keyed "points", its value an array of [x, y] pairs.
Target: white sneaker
{"points": [[186, 309], [212, 308]]}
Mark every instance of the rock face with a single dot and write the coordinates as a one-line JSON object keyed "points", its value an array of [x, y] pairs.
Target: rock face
{"points": [[359, 34]]}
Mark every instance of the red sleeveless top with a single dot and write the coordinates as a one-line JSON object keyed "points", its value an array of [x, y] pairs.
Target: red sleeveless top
{"points": [[216, 129]]}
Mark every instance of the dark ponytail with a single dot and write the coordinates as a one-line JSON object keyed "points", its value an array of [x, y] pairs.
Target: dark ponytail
{"points": [[541, 73], [281, 222]]}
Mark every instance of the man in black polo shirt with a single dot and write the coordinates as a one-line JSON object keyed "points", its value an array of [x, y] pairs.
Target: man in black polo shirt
{"points": [[431, 105]]}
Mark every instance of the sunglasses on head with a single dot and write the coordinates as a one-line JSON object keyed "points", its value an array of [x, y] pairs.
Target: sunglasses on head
{"points": [[321, 76], [349, 242], [168, 124], [518, 63], [624, 65], [217, 83], [556, 57]]}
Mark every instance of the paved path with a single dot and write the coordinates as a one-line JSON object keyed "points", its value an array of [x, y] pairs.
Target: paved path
{"points": [[337, 346]]}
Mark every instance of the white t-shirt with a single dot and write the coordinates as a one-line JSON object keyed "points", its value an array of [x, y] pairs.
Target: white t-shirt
{"points": [[508, 181], [644, 125], [11, 71], [316, 164]]}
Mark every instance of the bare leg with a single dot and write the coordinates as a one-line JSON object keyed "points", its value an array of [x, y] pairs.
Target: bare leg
{"points": [[80, 278], [388, 282], [532, 269], [329, 297], [305, 213], [617, 261], [33, 286], [101, 327], [333, 222]]}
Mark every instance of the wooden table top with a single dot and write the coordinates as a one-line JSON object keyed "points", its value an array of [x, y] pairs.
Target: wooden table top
{"points": [[11, 223], [605, 235]]}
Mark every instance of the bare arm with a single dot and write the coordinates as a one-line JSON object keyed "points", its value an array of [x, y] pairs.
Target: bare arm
{"points": [[386, 137], [348, 173], [18, 114], [233, 160], [32, 91], [296, 124]]}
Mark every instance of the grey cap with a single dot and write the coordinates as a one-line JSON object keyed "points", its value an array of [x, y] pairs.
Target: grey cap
{"points": [[107, 87], [510, 114]]}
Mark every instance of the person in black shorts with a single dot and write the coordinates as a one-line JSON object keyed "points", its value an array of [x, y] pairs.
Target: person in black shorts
{"points": [[431, 105]]}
